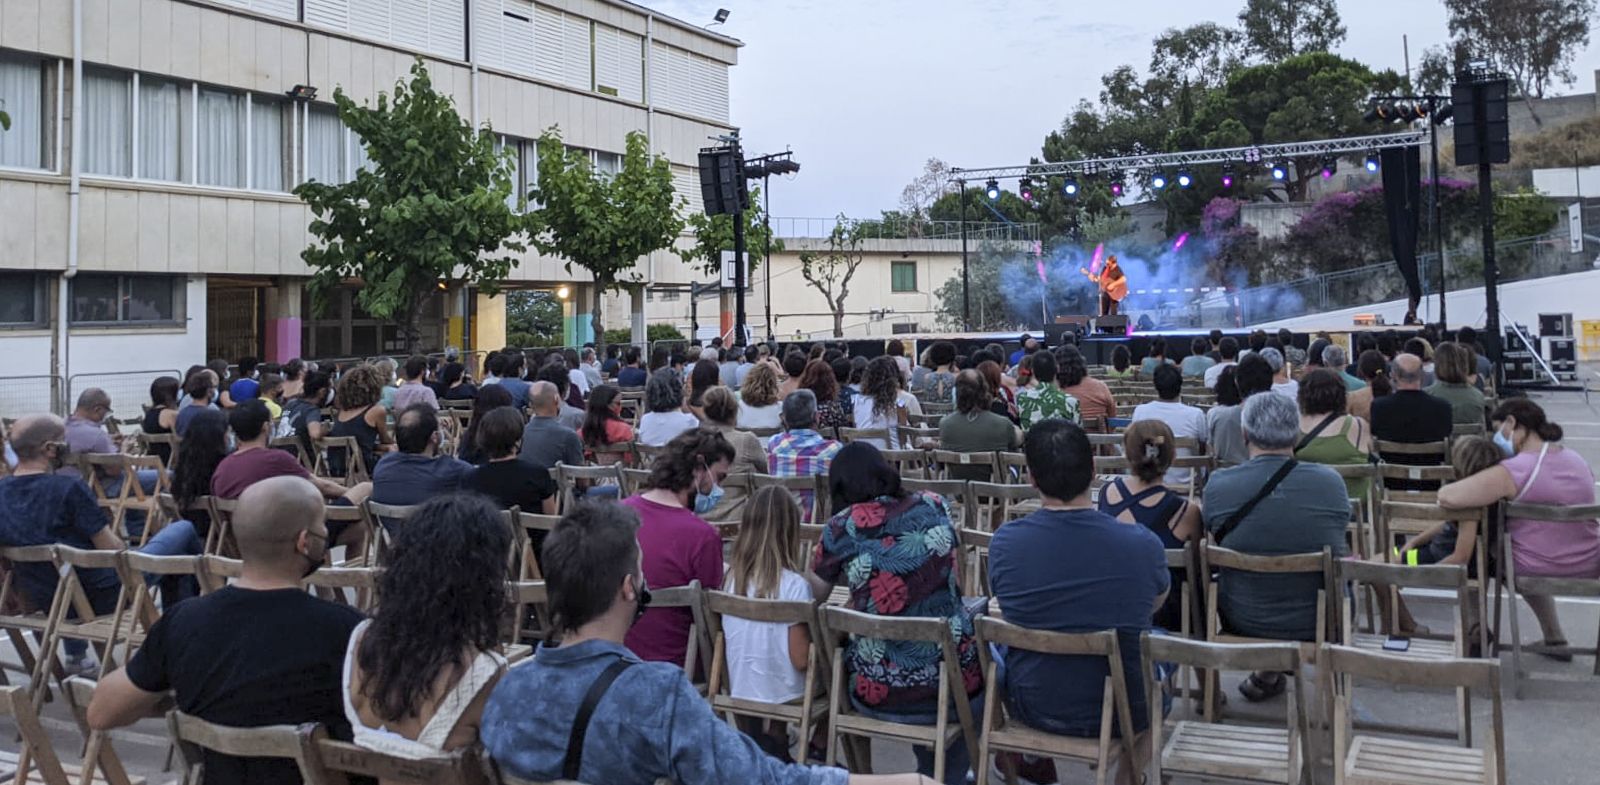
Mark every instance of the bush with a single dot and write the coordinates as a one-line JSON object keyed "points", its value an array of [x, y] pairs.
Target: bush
{"points": [[653, 333]]}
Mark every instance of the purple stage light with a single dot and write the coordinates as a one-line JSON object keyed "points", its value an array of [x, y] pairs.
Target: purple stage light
{"points": [[1227, 181]]}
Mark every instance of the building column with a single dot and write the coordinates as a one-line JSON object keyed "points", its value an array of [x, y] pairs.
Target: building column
{"points": [[577, 313], [457, 310], [283, 320], [637, 322], [488, 322]]}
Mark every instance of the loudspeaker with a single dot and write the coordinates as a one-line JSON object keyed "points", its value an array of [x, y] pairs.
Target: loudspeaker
{"points": [[1111, 325], [1076, 325], [1483, 121], [722, 182]]}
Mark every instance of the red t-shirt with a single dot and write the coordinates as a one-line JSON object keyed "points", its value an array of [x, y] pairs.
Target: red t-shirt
{"points": [[678, 547], [248, 467]]}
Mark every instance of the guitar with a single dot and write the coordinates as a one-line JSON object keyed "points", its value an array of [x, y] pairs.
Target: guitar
{"points": [[1117, 289]]}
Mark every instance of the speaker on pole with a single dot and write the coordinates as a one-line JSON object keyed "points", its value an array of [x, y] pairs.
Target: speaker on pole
{"points": [[722, 182]]}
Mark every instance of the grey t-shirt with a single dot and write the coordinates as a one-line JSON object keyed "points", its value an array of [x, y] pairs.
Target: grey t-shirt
{"points": [[1307, 511], [546, 442], [1226, 438], [984, 431]]}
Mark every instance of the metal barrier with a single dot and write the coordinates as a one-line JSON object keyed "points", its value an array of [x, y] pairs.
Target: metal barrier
{"points": [[129, 390], [20, 395]]}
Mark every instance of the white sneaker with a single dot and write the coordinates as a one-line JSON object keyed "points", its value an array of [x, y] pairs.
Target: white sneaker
{"points": [[83, 665]]}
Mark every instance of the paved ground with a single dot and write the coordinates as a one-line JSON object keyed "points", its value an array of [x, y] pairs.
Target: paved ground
{"points": [[1550, 734]]}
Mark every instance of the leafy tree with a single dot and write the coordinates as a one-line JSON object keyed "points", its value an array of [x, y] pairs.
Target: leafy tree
{"points": [[1276, 30], [1524, 213], [1533, 41], [533, 318], [5, 121], [653, 333], [1010, 208], [603, 223], [919, 195], [1201, 56], [830, 272], [430, 207], [714, 234]]}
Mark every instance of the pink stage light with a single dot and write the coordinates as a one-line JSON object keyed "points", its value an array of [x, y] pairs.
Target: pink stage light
{"points": [[1040, 266], [1094, 262]]}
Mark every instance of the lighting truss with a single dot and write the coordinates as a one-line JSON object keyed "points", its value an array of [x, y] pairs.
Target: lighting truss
{"points": [[1358, 145]]}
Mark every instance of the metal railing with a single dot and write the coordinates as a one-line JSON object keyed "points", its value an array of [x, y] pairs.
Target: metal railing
{"points": [[20, 395], [129, 390], [899, 228]]}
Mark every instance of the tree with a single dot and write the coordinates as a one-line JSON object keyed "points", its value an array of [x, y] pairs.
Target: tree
{"points": [[830, 272], [1201, 56], [1276, 30], [919, 196], [1533, 41], [713, 234], [603, 223], [653, 333], [429, 207], [533, 318], [5, 121]]}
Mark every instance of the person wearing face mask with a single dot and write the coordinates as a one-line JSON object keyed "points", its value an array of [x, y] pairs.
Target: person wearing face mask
{"points": [[303, 413], [261, 651], [1537, 470], [679, 546]]}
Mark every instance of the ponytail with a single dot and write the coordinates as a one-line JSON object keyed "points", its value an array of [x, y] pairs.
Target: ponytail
{"points": [[1381, 384], [1529, 415]]}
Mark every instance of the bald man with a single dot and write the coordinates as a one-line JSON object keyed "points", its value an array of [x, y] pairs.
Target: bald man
{"points": [[545, 441], [259, 652], [1410, 415]]}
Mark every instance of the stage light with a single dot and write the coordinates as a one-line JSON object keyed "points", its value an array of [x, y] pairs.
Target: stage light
{"points": [[1159, 181], [1372, 162], [1025, 189], [1116, 188], [1280, 171], [1227, 175], [1330, 166], [1185, 180], [992, 190], [1252, 155], [1070, 186]]}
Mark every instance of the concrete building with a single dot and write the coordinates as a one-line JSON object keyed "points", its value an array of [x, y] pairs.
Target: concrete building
{"points": [[145, 212]]}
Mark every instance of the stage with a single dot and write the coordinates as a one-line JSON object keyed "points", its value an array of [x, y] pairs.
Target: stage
{"points": [[1097, 348]]}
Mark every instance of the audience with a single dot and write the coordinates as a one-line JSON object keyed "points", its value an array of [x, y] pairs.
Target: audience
{"points": [[1481, 369], [489, 398], [1072, 568], [974, 428], [1422, 350], [1252, 376], [1246, 508], [1186, 422], [1294, 354], [244, 386], [1330, 435], [1281, 381], [1197, 363], [260, 651], [1335, 359], [897, 551], [883, 404], [1156, 358], [546, 441], [1453, 367], [455, 384], [414, 390], [361, 416], [665, 417], [195, 466], [1228, 350], [200, 388], [511, 366], [822, 380], [1094, 398], [418, 673], [271, 394], [1045, 399], [589, 364], [1141, 497], [1409, 415], [631, 374], [416, 472], [555, 373], [604, 426], [294, 377], [794, 364], [704, 376], [506, 477], [679, 546], [1537, 469], [939, 383], [386, 367], [895, 349], [759, 403], [1375, 379], [800, 451], [750, 452], [88, 434], [162, 416], [252, 461]]}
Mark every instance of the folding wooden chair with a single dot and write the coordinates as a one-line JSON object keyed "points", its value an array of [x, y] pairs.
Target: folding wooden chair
{"points": [[848, 435], [762, 433], [974, 545], [341, 759], [954, 493], [1584, 515], [299, 744], [1361, 507], [1215, 751], [1011, 468], [963, 466], [1405, 483], [524, 597], [844, 721], [633, 480], [687, 598], [568, 476], [356, 587], [291, 445], [1426, 453], [19, 616], [914, 436], [352, 515], [1360, 759], [805, 713], [648, 453], [910, 463], [1407, 518], [73, 616], [386, 518], [217, 571], [95, 467], [349, 467], [994, 504], [219, 538], [530, 530], [808, 491], [101, 764], [37, 758], [144, 604]]}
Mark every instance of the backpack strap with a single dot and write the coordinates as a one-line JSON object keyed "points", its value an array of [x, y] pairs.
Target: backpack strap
{"points": [[1266, 490]]}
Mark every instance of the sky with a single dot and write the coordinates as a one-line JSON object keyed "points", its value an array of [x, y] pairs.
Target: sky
{"points": [[865, 91]]}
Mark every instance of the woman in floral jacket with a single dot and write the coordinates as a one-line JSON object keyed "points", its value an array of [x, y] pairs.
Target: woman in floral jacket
{"points": [[898, 552]]}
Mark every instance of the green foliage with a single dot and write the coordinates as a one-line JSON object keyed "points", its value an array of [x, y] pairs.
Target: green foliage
{"points": [[714, 234], [603, 223], [430, 207], [5, 121], [989, 309], [533, 318], [979, 208], [830, 272], [1532, 41], [1277, 30], [1524, 213], [652, 333]]}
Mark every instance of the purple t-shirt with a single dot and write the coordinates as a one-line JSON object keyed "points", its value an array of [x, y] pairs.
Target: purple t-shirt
{"points": [[678, 547], [1554, 548], [85, 436], [248, 467]]}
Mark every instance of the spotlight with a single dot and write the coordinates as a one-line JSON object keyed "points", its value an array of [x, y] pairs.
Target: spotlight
{"points": [[1252, 155], [1159, 181], [1372, 162], [1280, 171], [1025, 189], [1185, 180], [1330, 165], [992, 190], [302, 92], [722, 16], [1070, 186], [1227, 176], [1116, 188]]}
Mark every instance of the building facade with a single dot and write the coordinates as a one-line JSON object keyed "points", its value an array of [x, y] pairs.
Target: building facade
{"points": [[146, 219]]}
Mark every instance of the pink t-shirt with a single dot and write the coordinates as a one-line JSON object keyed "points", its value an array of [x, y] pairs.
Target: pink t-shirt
{"points": [[1554, 548], [678, 547]]}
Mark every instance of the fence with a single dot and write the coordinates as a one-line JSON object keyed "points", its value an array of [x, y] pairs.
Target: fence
{"points": [[905, 229], [20, 395], [129, 390]]}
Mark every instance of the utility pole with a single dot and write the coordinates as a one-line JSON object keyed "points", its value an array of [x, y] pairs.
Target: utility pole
{"points": [[966, 299]]}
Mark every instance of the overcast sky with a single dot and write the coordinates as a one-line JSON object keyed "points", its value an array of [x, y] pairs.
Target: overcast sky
{"points": [[865, 91]]}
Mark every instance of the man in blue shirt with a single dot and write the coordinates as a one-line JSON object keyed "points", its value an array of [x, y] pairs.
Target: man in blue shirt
{"points": [[511, 379], [245, 387], [416, 472], [1071, 568], [649, 723]]}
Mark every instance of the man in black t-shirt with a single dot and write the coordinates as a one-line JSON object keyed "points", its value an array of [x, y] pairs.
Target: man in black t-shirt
{"points": [[259, 652]]}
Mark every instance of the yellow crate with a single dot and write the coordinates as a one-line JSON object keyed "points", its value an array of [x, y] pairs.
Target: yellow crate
{"points": [[1589, 327], [1589, 340]]}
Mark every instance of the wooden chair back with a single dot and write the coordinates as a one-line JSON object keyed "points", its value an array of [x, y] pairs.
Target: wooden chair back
{"points": [[350, 458], [72, 613], [648, 453], [171, 440], [1439, 451], [911, 463], [716, 605], [525, 597], [848, 435], [809, 491], [994, 504], [567, 477], [217, 571], [687, 598], [100, 763], [530, 530], [351, 515], [1537, 586], [37, 752], [954, 493], [219, 538], [191, 735], [356, 587], [343, 759], [1011, 467], [944, 460], [1214, 557], [632, 480]]}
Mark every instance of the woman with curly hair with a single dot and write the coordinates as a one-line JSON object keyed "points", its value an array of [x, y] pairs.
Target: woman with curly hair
{"points": [[882, 403], [759, 403], [417, 674], [361, 415], [822, 380]]}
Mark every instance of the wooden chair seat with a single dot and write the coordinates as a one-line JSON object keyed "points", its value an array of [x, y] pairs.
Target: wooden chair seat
{"points": [[1234, 752], [1375, 760], [1421, 649], [1016, 737]]}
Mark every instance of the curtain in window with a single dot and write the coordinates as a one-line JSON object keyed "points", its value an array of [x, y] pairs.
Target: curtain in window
{"points": [[515, 199], [325, 150], [221, 139], [108, 124], [529, 169], [22, 97], [161, 122], [267, 149]]}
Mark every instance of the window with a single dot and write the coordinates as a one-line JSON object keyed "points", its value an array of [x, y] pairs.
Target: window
{"points": [[22, 298], [220, 138], [99, 299], [326, 151], [108, 123], [22, 95], [269, 147], [164, 110], [903, 276], [608, 164]]}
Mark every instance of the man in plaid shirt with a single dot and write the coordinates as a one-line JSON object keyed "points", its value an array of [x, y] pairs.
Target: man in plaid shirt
{"points": [[801, 451]]}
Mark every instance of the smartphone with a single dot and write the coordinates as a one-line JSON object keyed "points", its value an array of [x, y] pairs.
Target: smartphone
{"points": [[1396, 643]]}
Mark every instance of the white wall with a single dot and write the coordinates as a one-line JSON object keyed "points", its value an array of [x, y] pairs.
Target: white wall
{"points": [[1565, 183], [1520, 301]]}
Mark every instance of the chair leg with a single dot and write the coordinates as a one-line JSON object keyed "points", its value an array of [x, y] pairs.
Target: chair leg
{"points": [[1516, 649]]}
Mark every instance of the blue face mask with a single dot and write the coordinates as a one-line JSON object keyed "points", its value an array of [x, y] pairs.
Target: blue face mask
{"points": [[704, 502], [1504, 443]]}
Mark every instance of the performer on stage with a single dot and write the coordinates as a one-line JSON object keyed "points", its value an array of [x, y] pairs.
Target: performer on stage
{"points": [[1113, 286]]}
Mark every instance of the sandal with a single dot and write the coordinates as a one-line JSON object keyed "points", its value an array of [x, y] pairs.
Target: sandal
{"points": [[1256, 689]]}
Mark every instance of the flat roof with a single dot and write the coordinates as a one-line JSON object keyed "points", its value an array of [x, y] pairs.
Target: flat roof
{"points": [[676, 22]]}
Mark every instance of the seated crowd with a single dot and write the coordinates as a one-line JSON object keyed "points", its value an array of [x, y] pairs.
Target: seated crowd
{"points": [[609, 695]]}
